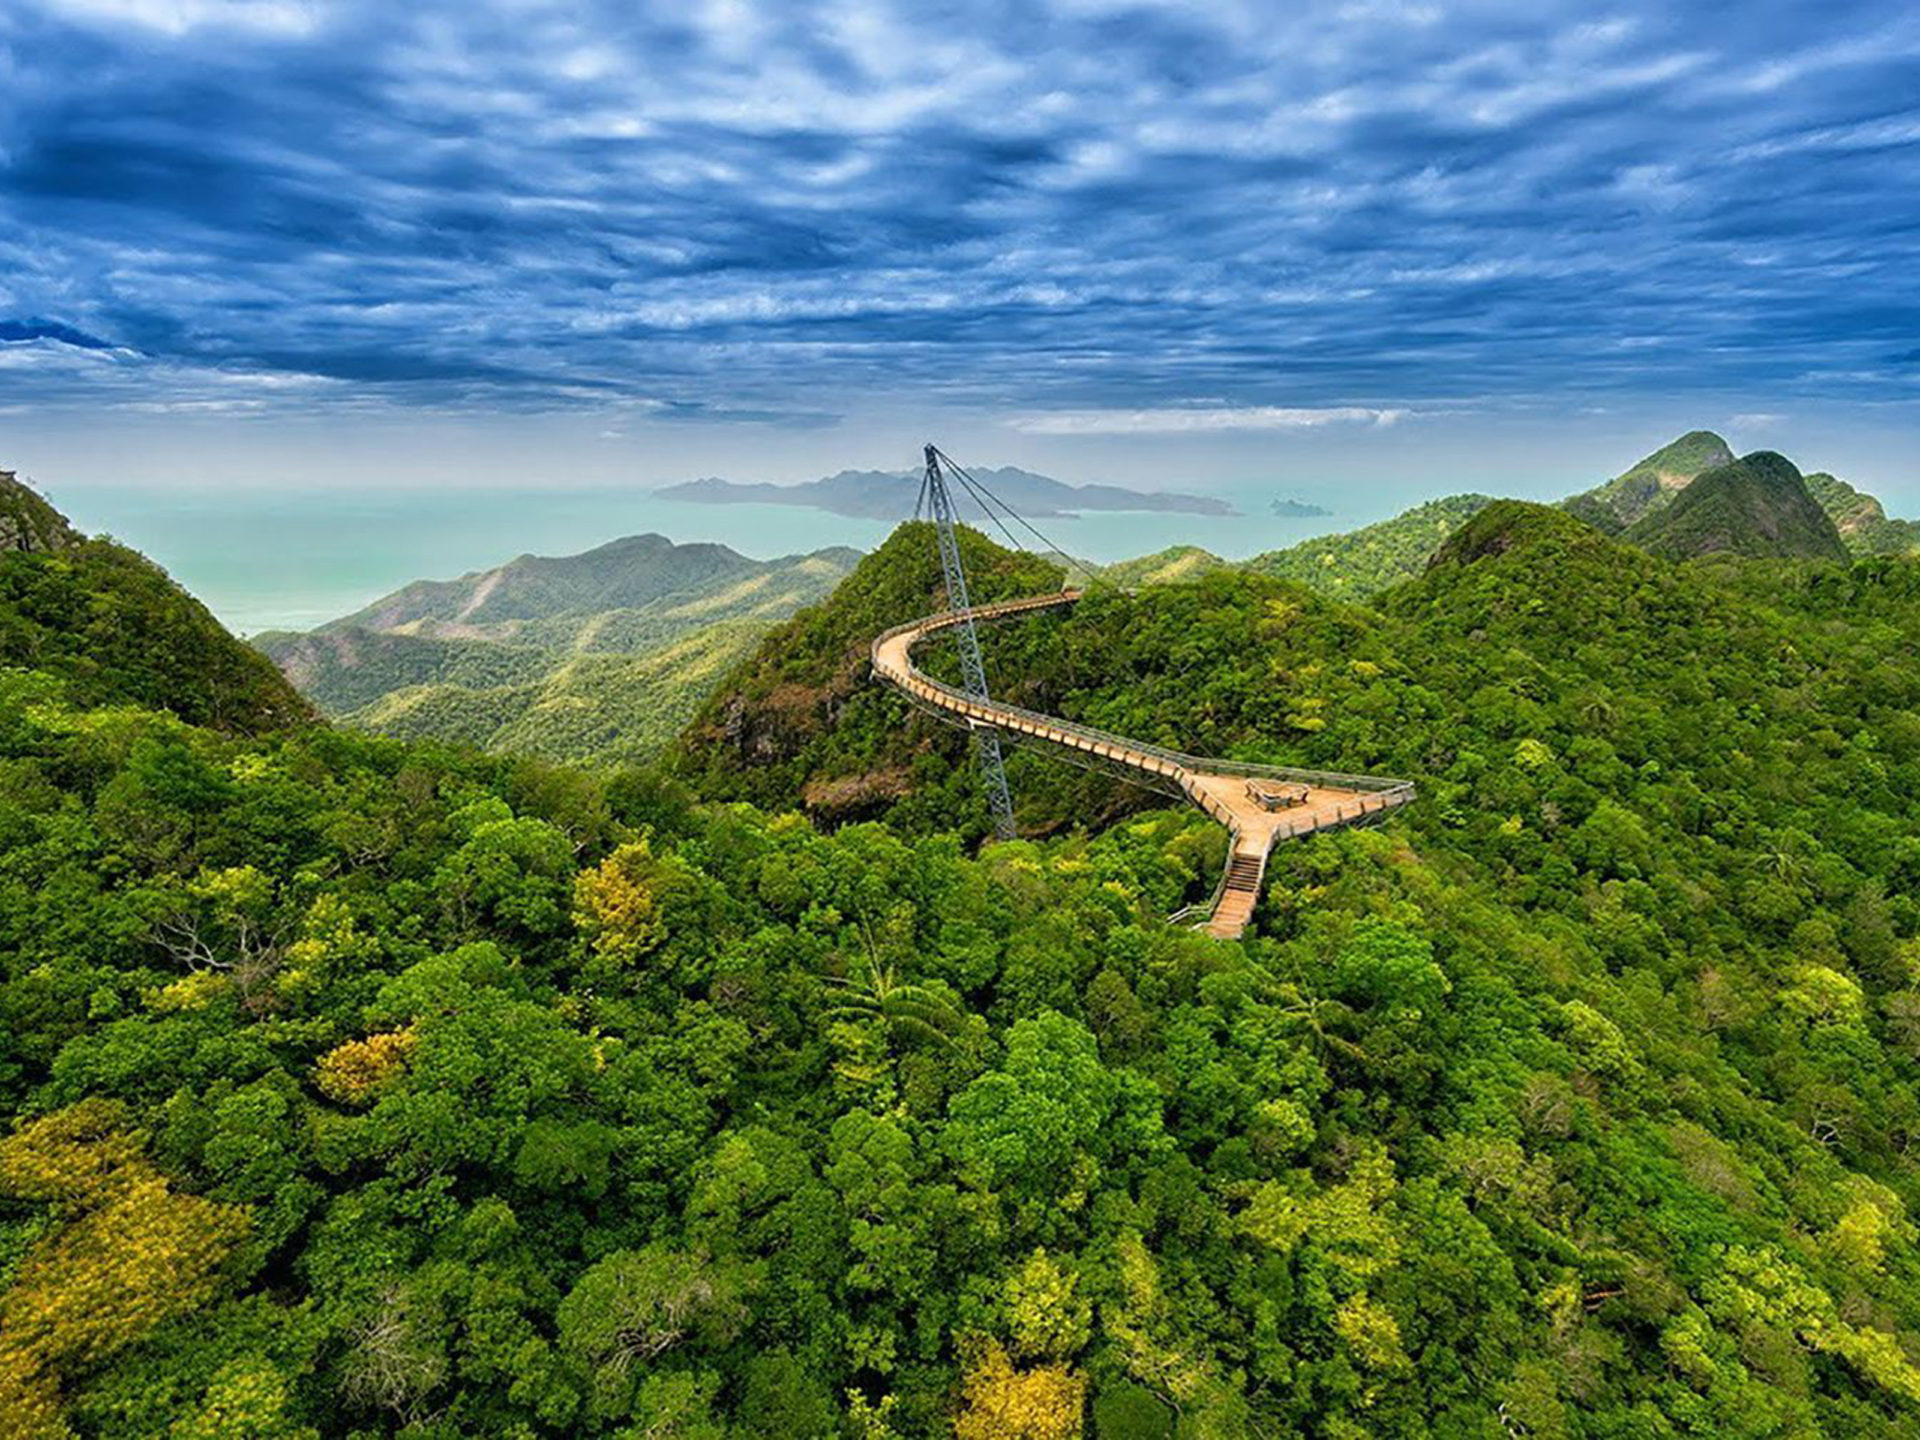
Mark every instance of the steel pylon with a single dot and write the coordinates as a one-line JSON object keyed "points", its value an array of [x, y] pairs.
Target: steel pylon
{"points": [[973, 674]]}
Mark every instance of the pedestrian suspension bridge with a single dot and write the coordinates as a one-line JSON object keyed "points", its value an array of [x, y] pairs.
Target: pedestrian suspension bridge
{"points": [[1260, 805]]}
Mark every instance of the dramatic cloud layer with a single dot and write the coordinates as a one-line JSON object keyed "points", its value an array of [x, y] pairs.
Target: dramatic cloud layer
{"points": [[1085, 217]]}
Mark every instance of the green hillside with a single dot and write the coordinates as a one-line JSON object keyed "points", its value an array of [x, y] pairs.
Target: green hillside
{"points": [[1861, 519], [598, 658], [361, 1088], [110, 623], [1163, 567], [597, 708], [1652, 483], [1758, 506], [1364, 562], [798, 723]]}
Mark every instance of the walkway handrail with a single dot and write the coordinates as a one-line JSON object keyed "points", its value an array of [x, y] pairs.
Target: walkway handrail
{"points": [[1208, 782], [1092, 738]]}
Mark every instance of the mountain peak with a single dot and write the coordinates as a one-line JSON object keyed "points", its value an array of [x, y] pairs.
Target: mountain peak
{"points": [[1757, 506], [1651, 482], [1692, 453]]}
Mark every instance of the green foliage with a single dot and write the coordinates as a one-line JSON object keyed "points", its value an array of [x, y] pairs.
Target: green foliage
{"points": [[1652, 483], [394, 1089], [1363, 562], [1163, 567], [799, 724], [1861, 520], [111, 623]]}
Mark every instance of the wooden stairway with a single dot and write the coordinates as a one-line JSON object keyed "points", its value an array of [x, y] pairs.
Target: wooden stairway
{"points": [[1241, 892]]}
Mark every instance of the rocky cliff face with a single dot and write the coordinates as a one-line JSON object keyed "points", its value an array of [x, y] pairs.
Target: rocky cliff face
{"points": [[28, 522]]}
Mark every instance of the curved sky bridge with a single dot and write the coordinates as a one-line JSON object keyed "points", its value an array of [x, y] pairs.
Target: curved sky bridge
{"points": [[1228, 790]]}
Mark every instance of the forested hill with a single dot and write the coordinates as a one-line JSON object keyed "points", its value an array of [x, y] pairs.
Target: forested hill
{"points": [[800, 721], [119, 631], [548, 597], [1362, 563], [597, 658], [1757, 506], [1862, 521], [361, 1088]]}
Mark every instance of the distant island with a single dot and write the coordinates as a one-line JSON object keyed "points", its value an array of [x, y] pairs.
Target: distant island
{"points": [[889, 494], [1299, 510]]}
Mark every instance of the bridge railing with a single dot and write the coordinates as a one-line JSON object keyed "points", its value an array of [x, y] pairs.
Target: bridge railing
{"points": [[1098, 740]]}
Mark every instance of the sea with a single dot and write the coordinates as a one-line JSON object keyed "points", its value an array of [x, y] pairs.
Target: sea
{"points": [[290, 560]]}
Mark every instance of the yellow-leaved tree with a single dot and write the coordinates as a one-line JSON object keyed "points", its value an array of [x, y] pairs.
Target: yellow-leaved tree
{"points": [[356, 1071], [125, 1254], [617, 904], [1043, 1403]]}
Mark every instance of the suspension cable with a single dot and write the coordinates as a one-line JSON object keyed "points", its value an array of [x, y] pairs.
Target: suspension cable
{"points": [[980, 499], [972, 481]]}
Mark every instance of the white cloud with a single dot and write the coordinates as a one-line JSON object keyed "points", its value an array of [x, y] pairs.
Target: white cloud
{"points": [[177, 17], [1187, 420]]}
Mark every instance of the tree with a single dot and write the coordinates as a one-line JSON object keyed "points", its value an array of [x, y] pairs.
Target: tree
{"points": [[636, 1305], [1002, 1403], [616, 905], [1048, 1318], [1024, 1123], [127, 1255]]}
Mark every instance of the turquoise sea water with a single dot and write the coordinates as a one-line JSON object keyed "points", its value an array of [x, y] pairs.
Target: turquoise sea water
{"points": [[289, 560]]}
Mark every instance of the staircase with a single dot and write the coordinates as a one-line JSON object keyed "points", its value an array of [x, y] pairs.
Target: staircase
{"points": [[1240, 894]]}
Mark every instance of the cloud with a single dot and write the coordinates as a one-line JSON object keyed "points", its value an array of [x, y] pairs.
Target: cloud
{"points": [[14, 331], [176, 17], [1177, 420], [1074, 213]]}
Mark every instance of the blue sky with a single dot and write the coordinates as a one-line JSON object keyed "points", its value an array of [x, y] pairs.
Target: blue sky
{"points": [[1107, 238]]}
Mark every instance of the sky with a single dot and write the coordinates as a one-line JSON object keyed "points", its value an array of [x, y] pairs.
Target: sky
{"points": [[313, 244]]}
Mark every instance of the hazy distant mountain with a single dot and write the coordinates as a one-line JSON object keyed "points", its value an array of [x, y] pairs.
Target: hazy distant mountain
{"points": [[1298, 510], [639, 572], [1651, 483], [889, 495], [1757, 506], [599, 656]]}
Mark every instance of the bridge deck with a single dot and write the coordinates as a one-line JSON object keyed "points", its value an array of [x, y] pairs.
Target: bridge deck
{"points": [[1218, 787]]}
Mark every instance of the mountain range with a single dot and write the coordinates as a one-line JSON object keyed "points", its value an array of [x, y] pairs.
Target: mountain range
{"points": [[1773, 519], [598, 657], [605, 656], [352, 1086], [889, 495]]}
